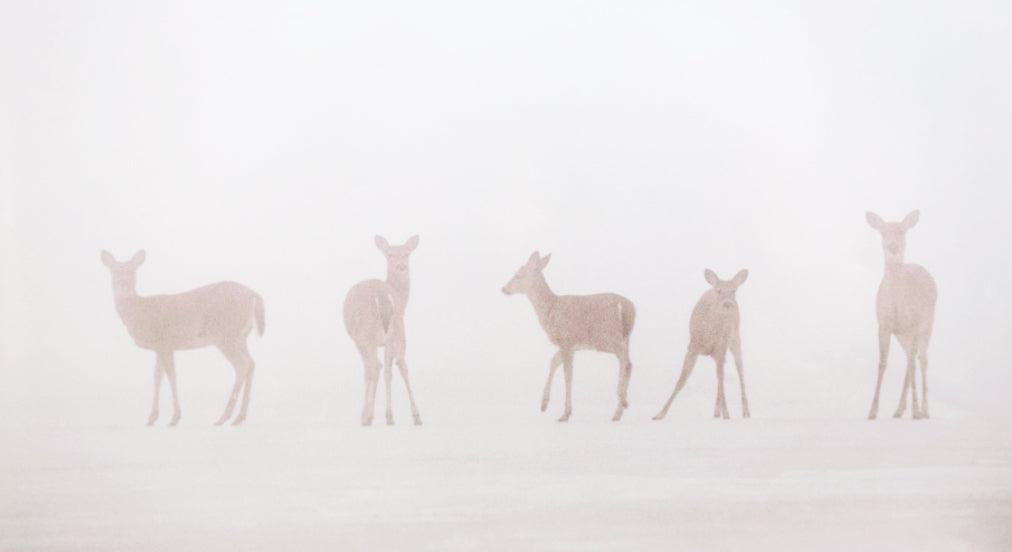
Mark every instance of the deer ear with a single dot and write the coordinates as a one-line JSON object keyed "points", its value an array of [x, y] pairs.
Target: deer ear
{"points": [[382, 243], [711, 277], [740, 277], [911, 220], [412, 242], [874, 220], [107, 259], [138, 258], [544, 261], [534, 259]]}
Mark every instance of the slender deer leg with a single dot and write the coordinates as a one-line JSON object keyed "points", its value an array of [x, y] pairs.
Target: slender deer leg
{"points": [[922, 346], [388, 372], [738, 364], [372, 370], [248, 382], [720, 408], [556, 361], [687, 365], [403, 367], [624, 373], [169, 365], [915, 408], [567, 366], [159, 371], [907, 344], [883, 357], [239, 366]]}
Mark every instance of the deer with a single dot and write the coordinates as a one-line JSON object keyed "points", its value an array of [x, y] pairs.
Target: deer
{"points": [[713, 330], [905, 308], [221, 314], [374, 318], [602, 322]]}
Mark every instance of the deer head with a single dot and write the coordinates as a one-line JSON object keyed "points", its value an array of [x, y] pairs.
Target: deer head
{"points": [[124, 275], [894, 239], [726, 289], [527, 274]]}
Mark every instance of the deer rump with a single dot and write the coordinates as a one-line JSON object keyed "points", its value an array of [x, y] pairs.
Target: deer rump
{"points": [[382, 305]]}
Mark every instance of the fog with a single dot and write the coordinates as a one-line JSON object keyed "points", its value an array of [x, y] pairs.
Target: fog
{"points": [[638, 144]]}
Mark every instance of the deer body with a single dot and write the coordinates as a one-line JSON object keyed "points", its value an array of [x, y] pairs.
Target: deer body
{"points": [[713, 330], [374, 318], [221, 314], [601, 322], [904, 307]]}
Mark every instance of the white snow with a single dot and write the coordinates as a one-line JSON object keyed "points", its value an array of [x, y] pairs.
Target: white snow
{"points": [[531, 484]]}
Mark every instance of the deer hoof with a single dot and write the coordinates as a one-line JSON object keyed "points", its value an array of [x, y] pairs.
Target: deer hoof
{"points": [[238, 420], [418, 420], [898, 414], [544, 404], [564, 418], [174, 421], [390, 419]]}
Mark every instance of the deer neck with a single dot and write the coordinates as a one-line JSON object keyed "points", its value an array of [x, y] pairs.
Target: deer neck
{"points": [[400, 283], [893, 266], [128, 306], [542, 299]]}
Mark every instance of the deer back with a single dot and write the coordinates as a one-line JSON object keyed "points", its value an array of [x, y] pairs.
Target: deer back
{"points": [[207, 315], [601, 322]]}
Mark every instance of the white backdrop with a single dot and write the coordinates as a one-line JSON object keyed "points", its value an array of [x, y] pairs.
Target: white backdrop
{"points": [[637, 144]]}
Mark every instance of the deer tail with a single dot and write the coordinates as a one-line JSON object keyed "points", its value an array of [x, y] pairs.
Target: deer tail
{"points": [[627, 313], [258, 311]]}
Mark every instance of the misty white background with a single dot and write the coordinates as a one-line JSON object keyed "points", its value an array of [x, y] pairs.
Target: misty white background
{"points": [[637, 144]]}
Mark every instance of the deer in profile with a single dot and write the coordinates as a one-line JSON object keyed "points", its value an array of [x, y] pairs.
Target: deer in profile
{"points": [[221, 314], [713, 329], [601, 322], [374, 318], [905, 307]]}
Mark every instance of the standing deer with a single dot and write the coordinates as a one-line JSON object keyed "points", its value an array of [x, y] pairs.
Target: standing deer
{"points": [[600, 322], [374, 317], [713, 329], [905, 307], [221, 314]]}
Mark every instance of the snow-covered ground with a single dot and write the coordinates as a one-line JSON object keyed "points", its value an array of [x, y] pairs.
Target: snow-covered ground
{"points": [[528, 484]]}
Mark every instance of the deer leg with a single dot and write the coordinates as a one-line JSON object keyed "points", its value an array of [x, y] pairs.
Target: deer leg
{"points": [[922, 346], [883, 357], [248, 382], [169, 365], [720, 408], [687, 365], [388, 362], [736, 353], [159, 371], [556, 361], [912, 368], [567, 366], [624, 373], [907, 343], [232, 356], [402, 366], [372, 370]]}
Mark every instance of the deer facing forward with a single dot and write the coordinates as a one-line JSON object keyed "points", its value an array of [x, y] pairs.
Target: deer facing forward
{"points": [[713, 329], [374, 317], [905, 307], [601, 322], [221, 314]]}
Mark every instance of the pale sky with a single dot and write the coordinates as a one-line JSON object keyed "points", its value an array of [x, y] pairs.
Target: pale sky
{"points": [[638, 144]]}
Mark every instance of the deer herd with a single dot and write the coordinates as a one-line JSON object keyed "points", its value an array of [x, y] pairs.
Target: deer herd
{"points": [[223, 315]]}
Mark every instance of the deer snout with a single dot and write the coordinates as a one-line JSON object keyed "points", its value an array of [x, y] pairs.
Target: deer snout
{"points": [[729, 304], [893, 248], [505, 291]]}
